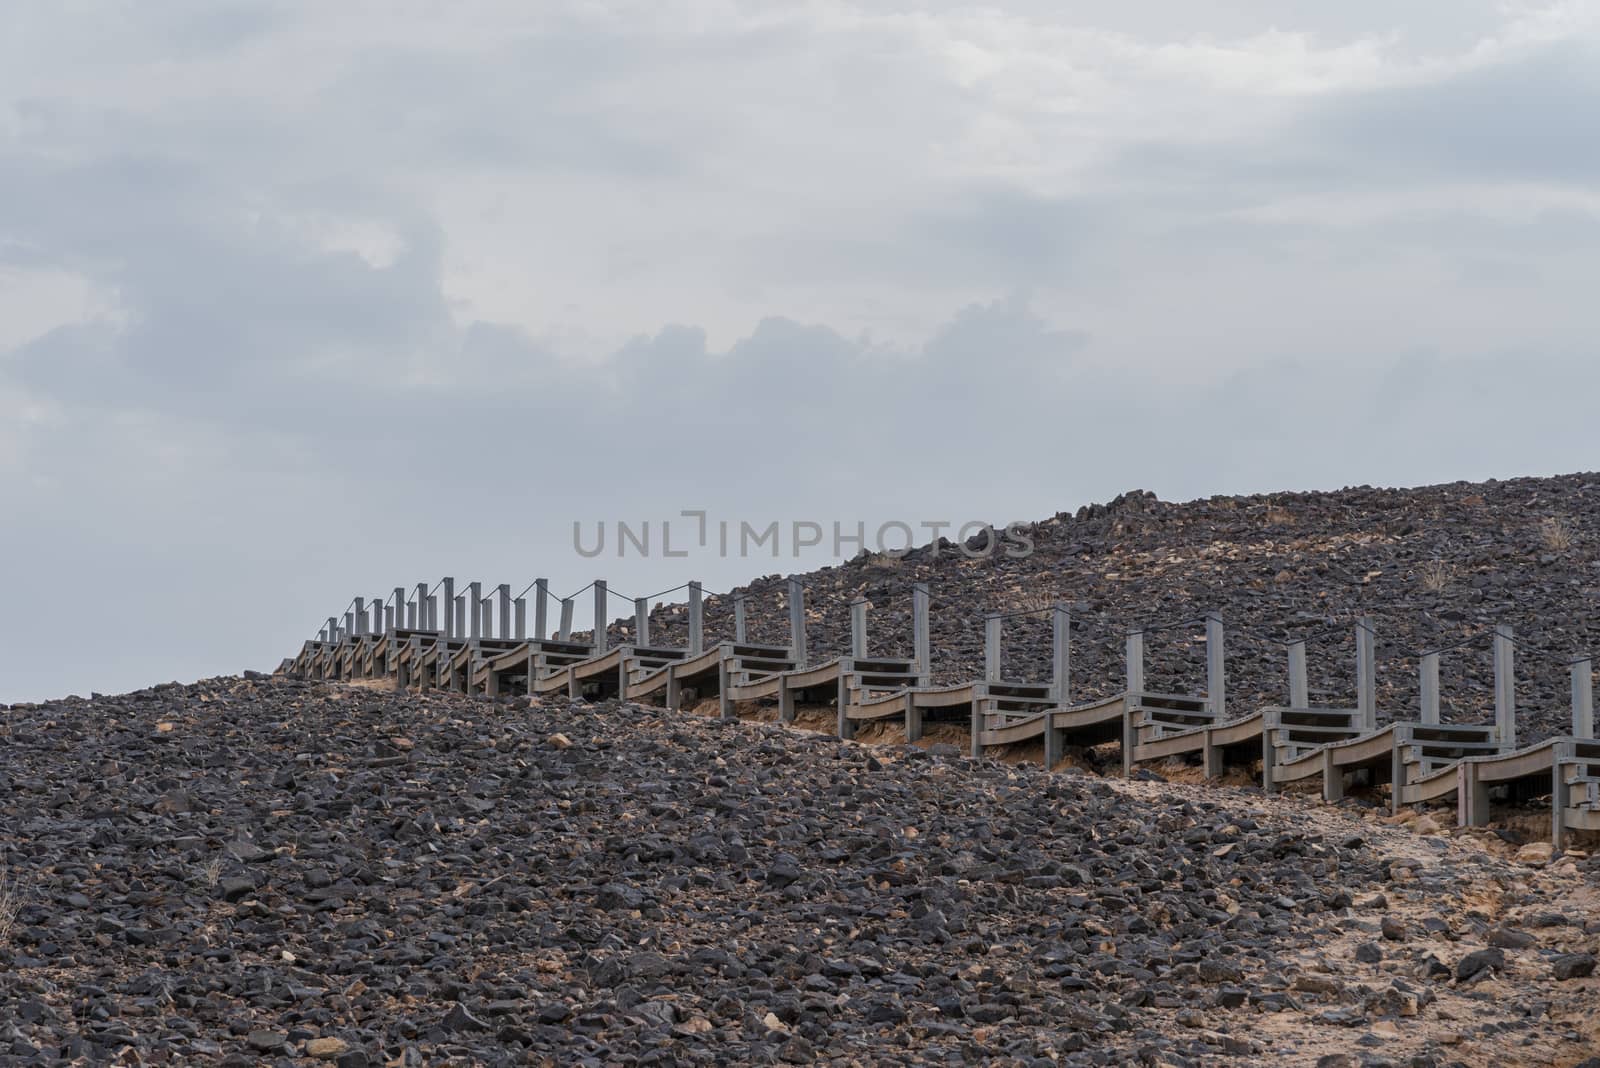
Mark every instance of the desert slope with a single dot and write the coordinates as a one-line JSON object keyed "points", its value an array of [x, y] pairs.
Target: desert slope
{"points": [[268, 871], [1431, 566]]}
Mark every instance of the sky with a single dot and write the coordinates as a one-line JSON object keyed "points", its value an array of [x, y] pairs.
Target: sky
{"points": [[300, 301]]}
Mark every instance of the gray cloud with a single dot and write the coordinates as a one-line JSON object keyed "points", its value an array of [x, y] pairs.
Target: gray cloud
{"points": [[357, 317]]}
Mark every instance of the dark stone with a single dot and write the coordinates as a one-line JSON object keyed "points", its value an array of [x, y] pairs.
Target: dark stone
{"points": [[1480, 961], [1573, 966]]}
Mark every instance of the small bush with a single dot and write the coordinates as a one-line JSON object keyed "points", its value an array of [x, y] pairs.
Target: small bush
{"points": [[1555, 534], [1436, 576], [1038, 605], [10, 905]]}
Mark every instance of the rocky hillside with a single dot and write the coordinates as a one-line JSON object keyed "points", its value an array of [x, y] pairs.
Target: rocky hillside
{"points": [[1431, 567], [247, 872]]}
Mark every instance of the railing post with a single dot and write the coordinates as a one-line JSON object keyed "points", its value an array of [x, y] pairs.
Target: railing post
{"points": [[421, 596], [433, 612], [349, 624], [1130, 700], [921, 646], [1430, 688], [1135, 658], [519, 612], [738, 617], [475, 600], [992, 665], [1583, 699], [447, 597], [601, 616], [461, 616], [333, 628], [388, 618], [797, 622], [399, 607], [504, 609], [1061, 655], [541, 609], [1505, 687], [1299, 684], [1366, 675], [858, 629], [1216, 667], [565, 633], [641, 622], [361, 617], [697, 619]]}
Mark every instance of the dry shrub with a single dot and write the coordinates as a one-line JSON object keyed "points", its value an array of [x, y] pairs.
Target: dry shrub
{"points": [[1555, 534], [1037, 605], [1436, 576], [10, 905]]}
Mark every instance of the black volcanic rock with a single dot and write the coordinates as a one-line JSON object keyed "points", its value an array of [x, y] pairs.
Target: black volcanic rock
{"points": [[662, 890], [1431, 566]]}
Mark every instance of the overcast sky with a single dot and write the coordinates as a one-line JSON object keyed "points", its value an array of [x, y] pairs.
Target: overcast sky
{"points": [[304, 300]]}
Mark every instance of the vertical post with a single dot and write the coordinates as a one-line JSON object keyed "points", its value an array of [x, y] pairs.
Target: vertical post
{"points": [[433, 612], [1299, 684], [377, 616], [1583, 698], [504, 610], [1430, 688], [1216, 668], [1135, 671], [541, 609], [991, 648], [921, 646], [797, 622], [1366, 675], [1472, 796], [475, 601], [913, 718], [600, 615], [785, 698], [361, 616], [388, 618], [448, 597], [1332, 778], [858, 629], [1560, 795], [1061, 656], [1136, 662], [738, 617], [843, 727], [565, 632], [399, 607], [1505, 688], [349, 626], [333, 628], [421, 597], [411, 615], [641, 622], [461, 615], [519, 613], [697, 619]]}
